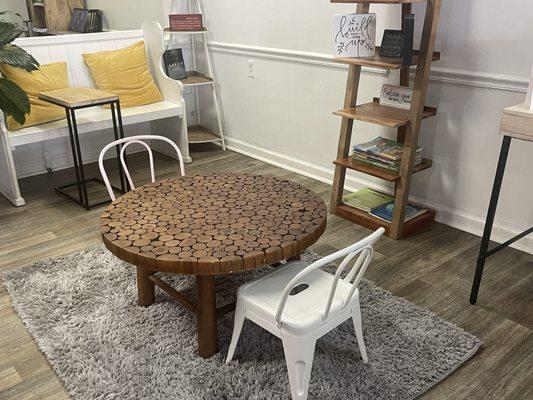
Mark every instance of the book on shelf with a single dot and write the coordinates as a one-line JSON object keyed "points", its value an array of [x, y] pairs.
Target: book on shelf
{"points": [[366, 199], [174, 64], [381, 147], [386, 164], [386, 211]]}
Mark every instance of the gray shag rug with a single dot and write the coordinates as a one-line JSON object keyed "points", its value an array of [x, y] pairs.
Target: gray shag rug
{"points": [[81, 309]]}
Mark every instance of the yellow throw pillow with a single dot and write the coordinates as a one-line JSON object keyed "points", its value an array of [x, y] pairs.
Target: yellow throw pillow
{"points": [[47, 77], [125, 73]]}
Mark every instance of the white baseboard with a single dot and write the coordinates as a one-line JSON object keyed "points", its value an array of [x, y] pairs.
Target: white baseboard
{"points": [[445, 215]]}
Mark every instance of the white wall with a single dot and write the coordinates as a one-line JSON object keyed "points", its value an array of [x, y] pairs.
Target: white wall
{"points": [[18, 6], [284, 114], [128, 14]]}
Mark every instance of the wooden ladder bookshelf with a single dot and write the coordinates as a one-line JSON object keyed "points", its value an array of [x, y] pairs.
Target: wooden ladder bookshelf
{"points": [[407, 123]]}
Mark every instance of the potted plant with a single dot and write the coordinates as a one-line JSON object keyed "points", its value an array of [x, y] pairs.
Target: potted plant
{"points": [[13, 100]]}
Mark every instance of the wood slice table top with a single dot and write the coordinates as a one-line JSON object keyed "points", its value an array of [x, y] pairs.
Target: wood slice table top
{"points": [[213, 224]]}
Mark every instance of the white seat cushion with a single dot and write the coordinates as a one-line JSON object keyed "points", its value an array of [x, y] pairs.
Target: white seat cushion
{"points": [[93, 119], [303, 311]]}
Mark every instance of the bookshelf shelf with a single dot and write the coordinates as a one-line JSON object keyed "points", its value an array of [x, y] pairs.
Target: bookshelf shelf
{"points": [[383, 62], [185, 32], [364, 218], [385, 174], [200, 134], [407, 122], [196, 78], [375, 113]]}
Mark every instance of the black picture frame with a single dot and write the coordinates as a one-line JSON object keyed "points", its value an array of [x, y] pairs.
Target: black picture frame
{"points": [[392, 44], [78, 20]]}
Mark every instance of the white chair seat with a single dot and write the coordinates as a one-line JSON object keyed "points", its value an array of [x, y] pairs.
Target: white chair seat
{"points": [[289, 303], [303, 311], [93, 119]]}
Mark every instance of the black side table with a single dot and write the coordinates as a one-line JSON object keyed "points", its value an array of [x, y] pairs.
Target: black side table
{"points": [[73, 99], [517, 123]]}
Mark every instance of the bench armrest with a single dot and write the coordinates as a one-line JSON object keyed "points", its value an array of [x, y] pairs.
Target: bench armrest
{"points": [[171, 90], [3, 126]]}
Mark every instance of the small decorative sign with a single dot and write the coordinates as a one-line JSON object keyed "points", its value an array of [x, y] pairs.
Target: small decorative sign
{"points": [[355, 35], [392, 44], [186, 22], [396, 96]]}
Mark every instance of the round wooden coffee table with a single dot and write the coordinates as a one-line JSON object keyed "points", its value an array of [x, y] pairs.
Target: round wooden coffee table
{"points": [[210, 225]]}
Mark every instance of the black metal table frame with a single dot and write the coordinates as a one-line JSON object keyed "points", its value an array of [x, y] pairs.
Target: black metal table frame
{"points": [[484, 251], [81, 182]]}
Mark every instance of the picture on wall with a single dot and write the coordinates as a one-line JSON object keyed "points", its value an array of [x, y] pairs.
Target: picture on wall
{"points": [[355, 35]]}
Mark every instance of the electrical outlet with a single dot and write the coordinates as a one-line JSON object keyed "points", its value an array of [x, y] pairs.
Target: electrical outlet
{"points": [[251, 68]]}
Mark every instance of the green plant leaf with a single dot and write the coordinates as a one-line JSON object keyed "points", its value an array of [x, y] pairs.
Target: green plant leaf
{"points": [[18, 57], [9, 32], [13, 100]]}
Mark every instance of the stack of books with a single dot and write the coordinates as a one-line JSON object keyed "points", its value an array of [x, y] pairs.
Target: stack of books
{"points": [[379, 205], [383, 153]]}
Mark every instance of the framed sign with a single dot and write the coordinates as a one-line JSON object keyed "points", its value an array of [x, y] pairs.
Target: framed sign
{"points": [[392, 44], [185, 22], [355, 35], [396, 96]]}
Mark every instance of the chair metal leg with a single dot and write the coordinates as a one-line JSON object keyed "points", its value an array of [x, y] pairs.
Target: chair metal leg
{"points": [[299, 354], [237, 328], [356, 317], [489, 222]]}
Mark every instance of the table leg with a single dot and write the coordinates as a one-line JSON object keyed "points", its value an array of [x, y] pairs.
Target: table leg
{"points": [[145, 288], [85, 201], [493, 204], [206, 315], [119, 134], [74, 156]]}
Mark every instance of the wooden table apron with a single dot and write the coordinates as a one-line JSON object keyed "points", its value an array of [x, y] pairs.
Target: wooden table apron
{"points": [[209, 225]]}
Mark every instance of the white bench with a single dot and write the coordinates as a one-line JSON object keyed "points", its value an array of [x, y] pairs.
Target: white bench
{"points": [[166, 118]]}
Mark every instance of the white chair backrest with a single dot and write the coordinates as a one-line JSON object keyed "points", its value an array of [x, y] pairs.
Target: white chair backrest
{"points": [[124, 143], [363, 248]]}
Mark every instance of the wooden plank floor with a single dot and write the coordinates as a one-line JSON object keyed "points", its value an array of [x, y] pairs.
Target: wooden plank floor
{"points": [[432, 269]]}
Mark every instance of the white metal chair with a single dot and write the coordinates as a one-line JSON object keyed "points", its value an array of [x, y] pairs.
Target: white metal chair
{"points": [[312, 303], [127, 142]]}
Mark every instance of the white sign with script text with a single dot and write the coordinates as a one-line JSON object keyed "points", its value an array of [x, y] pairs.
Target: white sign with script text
{"points": [[355, 35], [396, 96]]}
